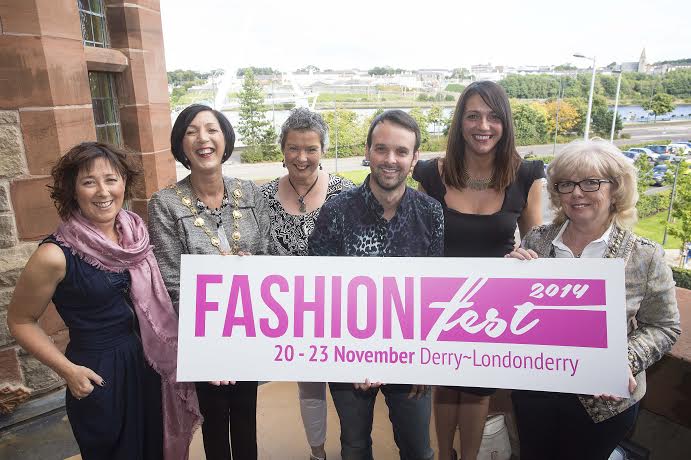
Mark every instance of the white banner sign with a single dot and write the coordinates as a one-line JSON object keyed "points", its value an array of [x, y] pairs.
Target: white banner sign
{"points": [[548, 324]]}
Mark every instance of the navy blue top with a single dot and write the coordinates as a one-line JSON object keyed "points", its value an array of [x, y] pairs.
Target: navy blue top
{"points": [[352, 224], [479, 235], [94, 304]]}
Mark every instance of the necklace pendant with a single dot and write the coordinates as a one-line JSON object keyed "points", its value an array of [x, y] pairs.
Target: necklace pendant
{"points": [[198, 222], [303, 207]]}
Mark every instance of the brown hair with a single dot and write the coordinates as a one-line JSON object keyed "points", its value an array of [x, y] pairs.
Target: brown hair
{"points": [[81, 157], [507, 159]]}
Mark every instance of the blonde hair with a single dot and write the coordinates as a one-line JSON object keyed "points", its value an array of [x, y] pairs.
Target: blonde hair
{"points": [[580, 158]]}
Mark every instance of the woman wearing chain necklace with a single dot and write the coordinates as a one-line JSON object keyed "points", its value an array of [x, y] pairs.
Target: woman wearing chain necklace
{"points": [[209, 213], [486, 190], [294, 203]]}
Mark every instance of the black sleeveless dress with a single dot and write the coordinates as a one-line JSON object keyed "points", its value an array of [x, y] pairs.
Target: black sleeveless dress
{"points": [[475, 235], [123, 419]]}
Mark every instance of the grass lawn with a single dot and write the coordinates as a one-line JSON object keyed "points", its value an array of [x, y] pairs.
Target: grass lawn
{"points": [[359, 176], [653, 227]]}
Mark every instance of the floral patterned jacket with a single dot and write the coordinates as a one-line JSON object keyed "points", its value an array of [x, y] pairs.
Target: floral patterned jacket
{"points": [[652, 314]]}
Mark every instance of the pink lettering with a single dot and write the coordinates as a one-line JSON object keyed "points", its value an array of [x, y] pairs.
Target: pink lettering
{"points": [[371, 319], [274, 306], [301, 306], [239, 287], [202, 305], [405, 314]]}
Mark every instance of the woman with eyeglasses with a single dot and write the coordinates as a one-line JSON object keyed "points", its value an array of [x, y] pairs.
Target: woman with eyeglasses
{"points": [[209, 213], [592, 189]]}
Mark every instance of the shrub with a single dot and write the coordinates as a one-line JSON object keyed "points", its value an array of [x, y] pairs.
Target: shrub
{"points": [[649, 205], [682, 276], [434, 144], [252, 154]]}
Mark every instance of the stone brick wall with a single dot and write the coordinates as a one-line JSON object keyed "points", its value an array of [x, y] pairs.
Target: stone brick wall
{"points": [[20, 374], [45, 109]]}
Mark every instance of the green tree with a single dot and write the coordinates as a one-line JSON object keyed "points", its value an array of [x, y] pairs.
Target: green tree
{"points": [[644, 173], [659, 104], [460, 73], [530, 124], [569, 116], [257, 132], [346, 130], [678, 83], [681, 208], [423, 122], [435, 116]]}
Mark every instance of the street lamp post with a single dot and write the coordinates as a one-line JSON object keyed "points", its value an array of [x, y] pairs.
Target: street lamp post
{"points": [[590, 97], [616, 105]]}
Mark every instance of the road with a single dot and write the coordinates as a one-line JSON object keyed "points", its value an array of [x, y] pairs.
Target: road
{"points": [[639, 133]]}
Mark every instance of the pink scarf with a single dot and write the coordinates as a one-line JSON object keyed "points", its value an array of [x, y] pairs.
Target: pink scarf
{"points": [[158, 323]]}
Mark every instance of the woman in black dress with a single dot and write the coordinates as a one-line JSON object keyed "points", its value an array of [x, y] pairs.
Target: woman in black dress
{"points": [[486, 190], [100, 272]]}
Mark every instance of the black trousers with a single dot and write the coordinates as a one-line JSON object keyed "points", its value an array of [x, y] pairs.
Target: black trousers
{"points": [[231, 407], [557, 426]]}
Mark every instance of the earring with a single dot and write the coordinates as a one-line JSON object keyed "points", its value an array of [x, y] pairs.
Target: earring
{"points": [[320, 166], [284, 163]]}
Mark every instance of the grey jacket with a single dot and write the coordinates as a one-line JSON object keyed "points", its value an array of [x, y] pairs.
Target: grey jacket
{"points": [[651, 306], [173, 233]]}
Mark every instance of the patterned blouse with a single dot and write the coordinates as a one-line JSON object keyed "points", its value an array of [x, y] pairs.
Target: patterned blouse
{"points": [[290, 232]]}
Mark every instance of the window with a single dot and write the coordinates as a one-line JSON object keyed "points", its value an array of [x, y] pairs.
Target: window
{"points": [[105, 104], [93, 17]]}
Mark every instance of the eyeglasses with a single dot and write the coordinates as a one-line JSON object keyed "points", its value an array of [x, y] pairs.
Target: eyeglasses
{"points": [[586, 185]]}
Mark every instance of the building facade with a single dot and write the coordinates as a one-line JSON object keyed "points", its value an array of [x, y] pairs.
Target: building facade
{"points": [[70, 71]]}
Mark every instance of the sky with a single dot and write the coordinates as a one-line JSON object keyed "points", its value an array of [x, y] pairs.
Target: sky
{"points": [[285, 35]]}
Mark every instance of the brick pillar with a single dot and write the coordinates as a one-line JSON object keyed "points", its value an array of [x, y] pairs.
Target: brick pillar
{"points": [[45, 108], [135, 30]]}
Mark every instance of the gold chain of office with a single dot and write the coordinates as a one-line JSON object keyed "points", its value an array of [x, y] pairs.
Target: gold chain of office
{"points": [[201, 223]]}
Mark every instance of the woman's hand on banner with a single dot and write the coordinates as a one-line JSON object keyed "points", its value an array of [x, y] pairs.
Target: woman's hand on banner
{"points": [[522, 254]]}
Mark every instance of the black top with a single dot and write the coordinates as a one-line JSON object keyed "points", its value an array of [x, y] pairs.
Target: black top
{"points": [[351, 224], [475, 235], [289, 231]]}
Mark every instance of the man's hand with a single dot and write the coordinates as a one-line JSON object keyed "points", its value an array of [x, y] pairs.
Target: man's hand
{"points": [[417, 391], [367, 385]]}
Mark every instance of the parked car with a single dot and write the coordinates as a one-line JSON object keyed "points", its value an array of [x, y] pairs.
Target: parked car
{"points": [[659, 173], [669, 157], [679, 148], [657, 148], [365, 162], [652, 156], [631, 156]]}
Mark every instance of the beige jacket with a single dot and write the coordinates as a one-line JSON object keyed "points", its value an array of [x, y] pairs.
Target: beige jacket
{"points": [[173, 231], [651, 306]]}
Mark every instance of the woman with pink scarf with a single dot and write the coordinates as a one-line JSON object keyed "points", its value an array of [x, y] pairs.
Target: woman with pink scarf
{"points": [[99, 270]]}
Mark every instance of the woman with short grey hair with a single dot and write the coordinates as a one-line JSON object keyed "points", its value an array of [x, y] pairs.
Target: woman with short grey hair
{"points": [[593, 192], [294, 202]]}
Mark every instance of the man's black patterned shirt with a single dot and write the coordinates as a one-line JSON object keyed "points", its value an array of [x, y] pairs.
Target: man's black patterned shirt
{"points": [[351, 224]]}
